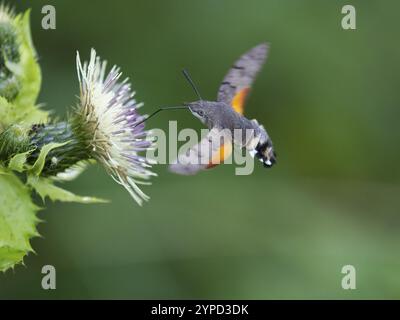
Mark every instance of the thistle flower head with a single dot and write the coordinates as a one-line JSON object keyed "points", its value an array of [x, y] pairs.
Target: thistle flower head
{"points": [[109, 116]]}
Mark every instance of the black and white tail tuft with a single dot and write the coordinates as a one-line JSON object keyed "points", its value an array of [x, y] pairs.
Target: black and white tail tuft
{"points": [[265, 153]]}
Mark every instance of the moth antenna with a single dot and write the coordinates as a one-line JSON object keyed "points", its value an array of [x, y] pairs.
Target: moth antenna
{"points": [[159, 110], [189, 79]]}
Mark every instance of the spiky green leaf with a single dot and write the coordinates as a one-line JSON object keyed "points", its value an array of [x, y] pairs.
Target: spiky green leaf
{"points": [[18, 162], [74, 171], [30, 76], [17, 221], [45, 188]]}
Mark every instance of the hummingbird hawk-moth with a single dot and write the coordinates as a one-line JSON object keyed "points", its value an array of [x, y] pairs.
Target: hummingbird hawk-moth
{"points": [[226, 115]]}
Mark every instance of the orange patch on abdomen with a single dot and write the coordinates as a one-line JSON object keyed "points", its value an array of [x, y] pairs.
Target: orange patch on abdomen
{"points": [[221, 155], [238, 100]]}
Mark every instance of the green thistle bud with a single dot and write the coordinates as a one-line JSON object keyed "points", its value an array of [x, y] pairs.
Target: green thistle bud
{"points": [[58, 160], [18, 139], [9, 53], [13, 140], [9, 87], [9, 44]]}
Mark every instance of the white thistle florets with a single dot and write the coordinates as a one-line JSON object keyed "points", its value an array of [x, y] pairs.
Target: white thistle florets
{"points": [[109, 114]]}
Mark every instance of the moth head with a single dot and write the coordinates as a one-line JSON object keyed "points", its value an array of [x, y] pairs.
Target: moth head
{"points": [[201, 110]]}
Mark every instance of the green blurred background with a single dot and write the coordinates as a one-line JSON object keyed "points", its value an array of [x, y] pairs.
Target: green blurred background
{"points": [[328, 97]]}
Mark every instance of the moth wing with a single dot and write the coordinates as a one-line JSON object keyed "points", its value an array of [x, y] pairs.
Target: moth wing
{"points": [[202, 155], [235, 87], [237, 82]]}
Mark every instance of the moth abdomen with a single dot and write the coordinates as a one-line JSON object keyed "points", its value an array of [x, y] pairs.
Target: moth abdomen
{"points": [[265, 153]]}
